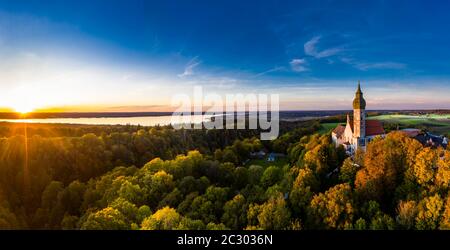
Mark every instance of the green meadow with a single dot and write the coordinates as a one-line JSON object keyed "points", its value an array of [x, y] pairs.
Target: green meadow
{"points": [[432, 119], [279, 162], [439, 124], [328, 127], [434, 123]]}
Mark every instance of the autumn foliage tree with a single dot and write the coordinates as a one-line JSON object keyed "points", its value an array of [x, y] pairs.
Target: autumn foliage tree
{"points": [[130, 178], [384, 164], [333, 209]]}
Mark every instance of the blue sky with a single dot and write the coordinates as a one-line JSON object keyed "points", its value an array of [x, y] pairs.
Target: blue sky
{"points": [[134, 55]]}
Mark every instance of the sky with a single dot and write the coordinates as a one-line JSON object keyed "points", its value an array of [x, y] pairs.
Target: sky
{"points": [[136, 55]]}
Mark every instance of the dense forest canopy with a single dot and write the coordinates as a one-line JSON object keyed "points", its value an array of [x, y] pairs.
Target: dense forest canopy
{"points": [[131, 177]]}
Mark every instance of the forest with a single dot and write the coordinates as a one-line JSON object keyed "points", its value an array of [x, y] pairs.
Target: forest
{"points": [[158, 178]]}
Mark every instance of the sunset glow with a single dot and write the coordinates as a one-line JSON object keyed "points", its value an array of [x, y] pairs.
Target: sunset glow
{"points": [[23, 109], [140, 69], [262, 122]]}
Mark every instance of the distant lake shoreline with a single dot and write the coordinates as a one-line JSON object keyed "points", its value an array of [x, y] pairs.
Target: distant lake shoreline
{"points": [[139, 120], [283, 114], [161, 118]]}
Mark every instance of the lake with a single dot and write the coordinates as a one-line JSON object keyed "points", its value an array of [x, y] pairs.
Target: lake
{"points": [[140, 120]]}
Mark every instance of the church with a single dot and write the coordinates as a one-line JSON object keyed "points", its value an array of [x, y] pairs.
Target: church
{"points": [[358, 131]]}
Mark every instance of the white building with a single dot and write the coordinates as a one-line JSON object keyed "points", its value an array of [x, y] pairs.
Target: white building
{"points": [[358, 131]]}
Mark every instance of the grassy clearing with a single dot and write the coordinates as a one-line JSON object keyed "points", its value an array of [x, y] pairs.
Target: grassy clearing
{"points": [[434, 123], [436, 120], [327, 127], [438, 124], [279, 162]]}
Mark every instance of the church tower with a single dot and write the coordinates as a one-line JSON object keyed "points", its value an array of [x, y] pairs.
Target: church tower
{"points": [[359, 117]]}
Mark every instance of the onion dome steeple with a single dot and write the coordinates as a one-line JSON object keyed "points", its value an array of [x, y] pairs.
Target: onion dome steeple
{"points": [[359, 102]]}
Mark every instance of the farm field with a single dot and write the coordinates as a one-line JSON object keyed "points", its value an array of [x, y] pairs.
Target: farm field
{"points": [[439, 124]]}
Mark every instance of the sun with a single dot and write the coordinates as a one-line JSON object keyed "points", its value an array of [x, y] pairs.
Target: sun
{"points": [[23, 108], [24, 99]]}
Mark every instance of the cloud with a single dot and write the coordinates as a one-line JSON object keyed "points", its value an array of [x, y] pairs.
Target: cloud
{"points": [[275, 69], [380, 65], [310, 48], [215, 82], [328, 52], [189, 69], [364, 66], [347, 60], [299, 65]]}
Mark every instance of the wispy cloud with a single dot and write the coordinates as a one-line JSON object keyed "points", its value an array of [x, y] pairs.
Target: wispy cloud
{"points": [[274, 69], [310, 48], [364, 66], [214, 82], [189, 69], [299, 65], [348, 60], [380, 65]]}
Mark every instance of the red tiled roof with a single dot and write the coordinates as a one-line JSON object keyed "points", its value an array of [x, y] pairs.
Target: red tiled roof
{"points": [[339, 130], [374, 127]]}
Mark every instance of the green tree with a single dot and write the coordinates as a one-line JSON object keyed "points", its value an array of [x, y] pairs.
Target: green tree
{"points": [[272, 215], [235, 212], [240, 177], [164, 219], [382, 222], [143, 212], [270, 176], [303, 190], [333, 209], [348, 171], [360, 224], [157, 186], [255, 173], [128, 209], [106, 219]]}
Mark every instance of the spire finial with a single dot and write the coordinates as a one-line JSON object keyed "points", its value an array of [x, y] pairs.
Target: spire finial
{"points": [[359, 102]]}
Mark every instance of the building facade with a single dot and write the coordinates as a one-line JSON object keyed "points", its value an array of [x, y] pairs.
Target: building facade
{"points": [[358, 131]]}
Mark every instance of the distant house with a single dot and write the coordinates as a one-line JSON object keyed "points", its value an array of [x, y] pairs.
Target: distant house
{"points": [[430, 140], [273, 156], [358, 131], [258, 155], [427, 139]]}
